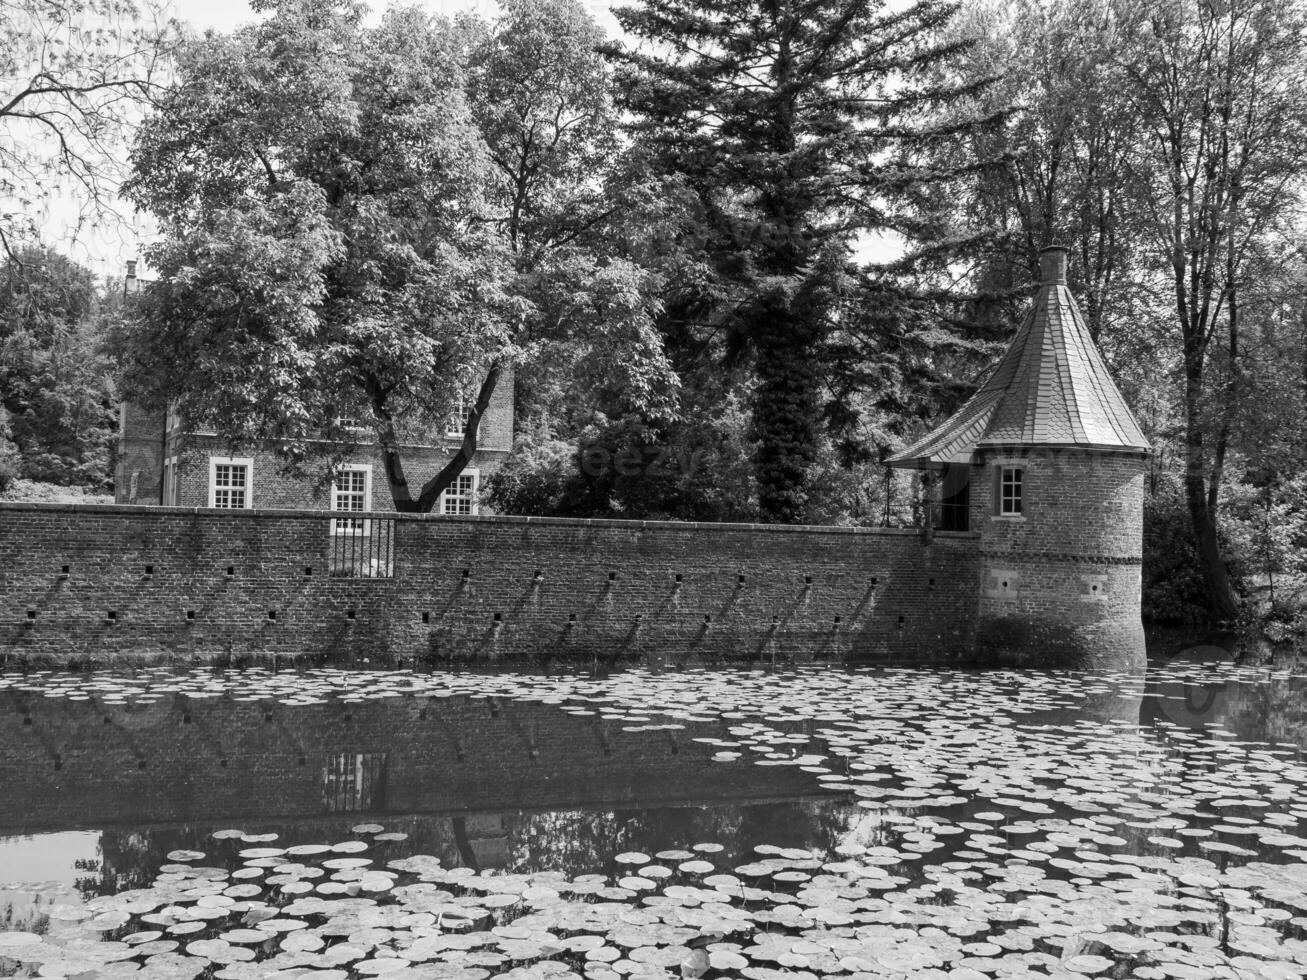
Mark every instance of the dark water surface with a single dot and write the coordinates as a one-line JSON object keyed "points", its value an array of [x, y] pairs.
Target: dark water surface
{"points": [[821, 822]]}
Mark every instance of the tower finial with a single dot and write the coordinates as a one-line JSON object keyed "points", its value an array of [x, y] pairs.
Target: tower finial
{"points": [[1052, 265]]}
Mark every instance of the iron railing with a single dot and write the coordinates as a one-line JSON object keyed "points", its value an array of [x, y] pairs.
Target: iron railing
{"points": [[361, 547]]}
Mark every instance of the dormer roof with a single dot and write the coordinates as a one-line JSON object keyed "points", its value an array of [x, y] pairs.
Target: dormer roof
{"points": [[1051, 388]]}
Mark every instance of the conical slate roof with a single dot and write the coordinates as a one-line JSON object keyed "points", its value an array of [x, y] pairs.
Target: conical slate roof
{"points": [[1051, 388]]}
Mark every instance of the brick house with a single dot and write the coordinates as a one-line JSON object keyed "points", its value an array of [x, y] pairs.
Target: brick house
{"points": [[162, 460]]}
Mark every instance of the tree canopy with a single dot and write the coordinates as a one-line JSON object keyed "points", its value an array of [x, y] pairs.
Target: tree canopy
{"points": [[796, 126], [326, 254]]}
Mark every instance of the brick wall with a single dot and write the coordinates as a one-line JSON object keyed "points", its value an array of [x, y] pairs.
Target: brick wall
{"points": [[139, 474], [205, 584], [275, 488], [1062, 582]]}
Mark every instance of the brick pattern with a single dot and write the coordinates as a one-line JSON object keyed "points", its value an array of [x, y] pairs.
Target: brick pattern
{"points": [[1075, 503], [187, 584], [275, 489], [1062, 583], [142, 453]]}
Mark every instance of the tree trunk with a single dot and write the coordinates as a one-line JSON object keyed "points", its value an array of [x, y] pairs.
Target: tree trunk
{"points": [[1215, 575], [1202, 511], [439, 483], [392, 458]]}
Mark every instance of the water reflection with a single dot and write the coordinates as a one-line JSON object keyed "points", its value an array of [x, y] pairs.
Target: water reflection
{"points": [[167, 756], [1036, 821]]}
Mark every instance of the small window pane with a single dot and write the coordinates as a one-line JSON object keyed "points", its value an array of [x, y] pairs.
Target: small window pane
{"points": [[457, 421], [1010, 490], [230, 485], [460, 497], [350, 492]]}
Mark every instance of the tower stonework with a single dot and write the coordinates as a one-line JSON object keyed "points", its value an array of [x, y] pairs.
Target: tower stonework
{"points": [[1055, 489], [1061, 585]]}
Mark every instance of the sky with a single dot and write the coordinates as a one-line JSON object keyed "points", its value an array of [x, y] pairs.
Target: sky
{"points": [[223, 15]]}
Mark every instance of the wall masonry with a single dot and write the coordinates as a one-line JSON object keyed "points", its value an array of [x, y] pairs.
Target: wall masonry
{"points": [[100, 584], [1062, 582]]}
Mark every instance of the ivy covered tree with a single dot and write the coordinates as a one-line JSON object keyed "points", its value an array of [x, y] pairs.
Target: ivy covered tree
{"points": [[798, 125]]}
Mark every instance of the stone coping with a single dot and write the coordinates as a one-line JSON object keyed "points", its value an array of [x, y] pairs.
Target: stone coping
{"points": [[112, 510]]}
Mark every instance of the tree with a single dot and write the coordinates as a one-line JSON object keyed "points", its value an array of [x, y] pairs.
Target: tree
{"points": [[74, 75], [54, 375], [363, 222], [793, 123], [578, 215], [1221, 92], [1066, 132], [9, 459], [321, 186]]}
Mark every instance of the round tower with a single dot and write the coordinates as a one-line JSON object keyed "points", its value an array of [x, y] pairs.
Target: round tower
{"points": [[1049, 462]]}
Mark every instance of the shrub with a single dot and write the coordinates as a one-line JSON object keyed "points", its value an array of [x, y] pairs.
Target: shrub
{"points": [[1172, 570]]}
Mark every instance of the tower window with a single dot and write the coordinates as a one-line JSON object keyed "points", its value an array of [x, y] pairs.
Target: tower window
{"points": [[1010, 491]]}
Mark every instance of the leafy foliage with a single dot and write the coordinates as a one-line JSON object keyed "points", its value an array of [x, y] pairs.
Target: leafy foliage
{"points": [[55, 383], [9, 457], [793, 126], [322, 186]]}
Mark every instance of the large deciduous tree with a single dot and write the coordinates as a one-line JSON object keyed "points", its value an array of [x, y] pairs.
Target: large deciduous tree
{"points": [[576, 214], [793, 121], [1221, 92], [1064, 144], [74, 76], [321, 187]]}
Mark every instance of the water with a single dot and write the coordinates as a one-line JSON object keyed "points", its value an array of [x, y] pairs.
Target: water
{"points": [[875, 822]]}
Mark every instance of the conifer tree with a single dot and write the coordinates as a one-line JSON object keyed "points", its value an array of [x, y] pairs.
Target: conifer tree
{"points": [[797, 123]]}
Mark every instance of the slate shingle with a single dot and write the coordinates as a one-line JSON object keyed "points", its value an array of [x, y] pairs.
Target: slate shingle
{"points": [[1051, 388]]}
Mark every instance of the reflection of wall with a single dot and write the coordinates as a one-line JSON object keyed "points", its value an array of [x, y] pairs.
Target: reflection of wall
{"points": [[67, 764], [208, 583]]}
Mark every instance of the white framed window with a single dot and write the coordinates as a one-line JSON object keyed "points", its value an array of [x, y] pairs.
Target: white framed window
{"points": [[351, 490], [170, 481], [1010, 491], [231, 482], [460, 497], [457, 421]]}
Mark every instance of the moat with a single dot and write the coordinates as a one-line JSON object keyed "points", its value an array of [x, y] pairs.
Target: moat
{"points": [[866, 822]]}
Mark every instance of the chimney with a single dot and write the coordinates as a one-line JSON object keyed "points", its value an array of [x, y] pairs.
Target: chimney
{"points": [[131, 284], [131, 268], [1052, 265]]}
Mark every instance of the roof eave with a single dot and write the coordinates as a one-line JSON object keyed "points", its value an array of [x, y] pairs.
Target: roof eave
{"points": [[1100, 447]]}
